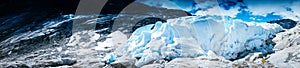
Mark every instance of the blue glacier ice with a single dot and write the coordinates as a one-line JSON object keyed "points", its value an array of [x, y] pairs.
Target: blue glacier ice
{"points": [[194, 36], [110, 58]]}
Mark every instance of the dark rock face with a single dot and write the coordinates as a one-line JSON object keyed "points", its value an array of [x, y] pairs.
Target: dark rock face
{"points": [[55, 63], [17, 44], [115, 6], [285, 23], [20, 65], [9, 7]]}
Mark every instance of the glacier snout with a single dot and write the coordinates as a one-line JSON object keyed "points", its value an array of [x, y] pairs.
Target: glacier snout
{"points": [[195, 36]]}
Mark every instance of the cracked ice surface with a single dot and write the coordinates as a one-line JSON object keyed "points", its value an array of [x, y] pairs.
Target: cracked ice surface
{"points": [[196, 35]]}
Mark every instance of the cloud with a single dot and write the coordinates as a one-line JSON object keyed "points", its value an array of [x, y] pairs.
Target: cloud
{"points": [[216, 10], [249, 17], [249, 10], [285, 8]]}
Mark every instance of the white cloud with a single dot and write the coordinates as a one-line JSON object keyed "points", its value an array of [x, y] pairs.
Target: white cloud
{"points": [[260, 8], [295, 7], [264, 7], [278, 7], [219, 11]]}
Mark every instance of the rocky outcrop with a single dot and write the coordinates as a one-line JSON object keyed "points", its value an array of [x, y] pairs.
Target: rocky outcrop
{"points": [[287, 49], [79, 51], [287, 58], [253, 60], [290, 37]]}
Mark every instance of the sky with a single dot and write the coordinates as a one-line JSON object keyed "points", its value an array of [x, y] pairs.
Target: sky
{"points": [[246, 10]]}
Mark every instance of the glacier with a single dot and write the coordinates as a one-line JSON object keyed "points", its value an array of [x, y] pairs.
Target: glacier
{"points": [[194, 36]]}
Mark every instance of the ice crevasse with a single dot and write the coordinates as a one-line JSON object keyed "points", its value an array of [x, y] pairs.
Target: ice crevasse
{"points": [[194, 36]]}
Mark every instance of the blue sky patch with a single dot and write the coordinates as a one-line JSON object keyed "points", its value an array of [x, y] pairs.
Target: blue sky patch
{"points": [[249, 17]]}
